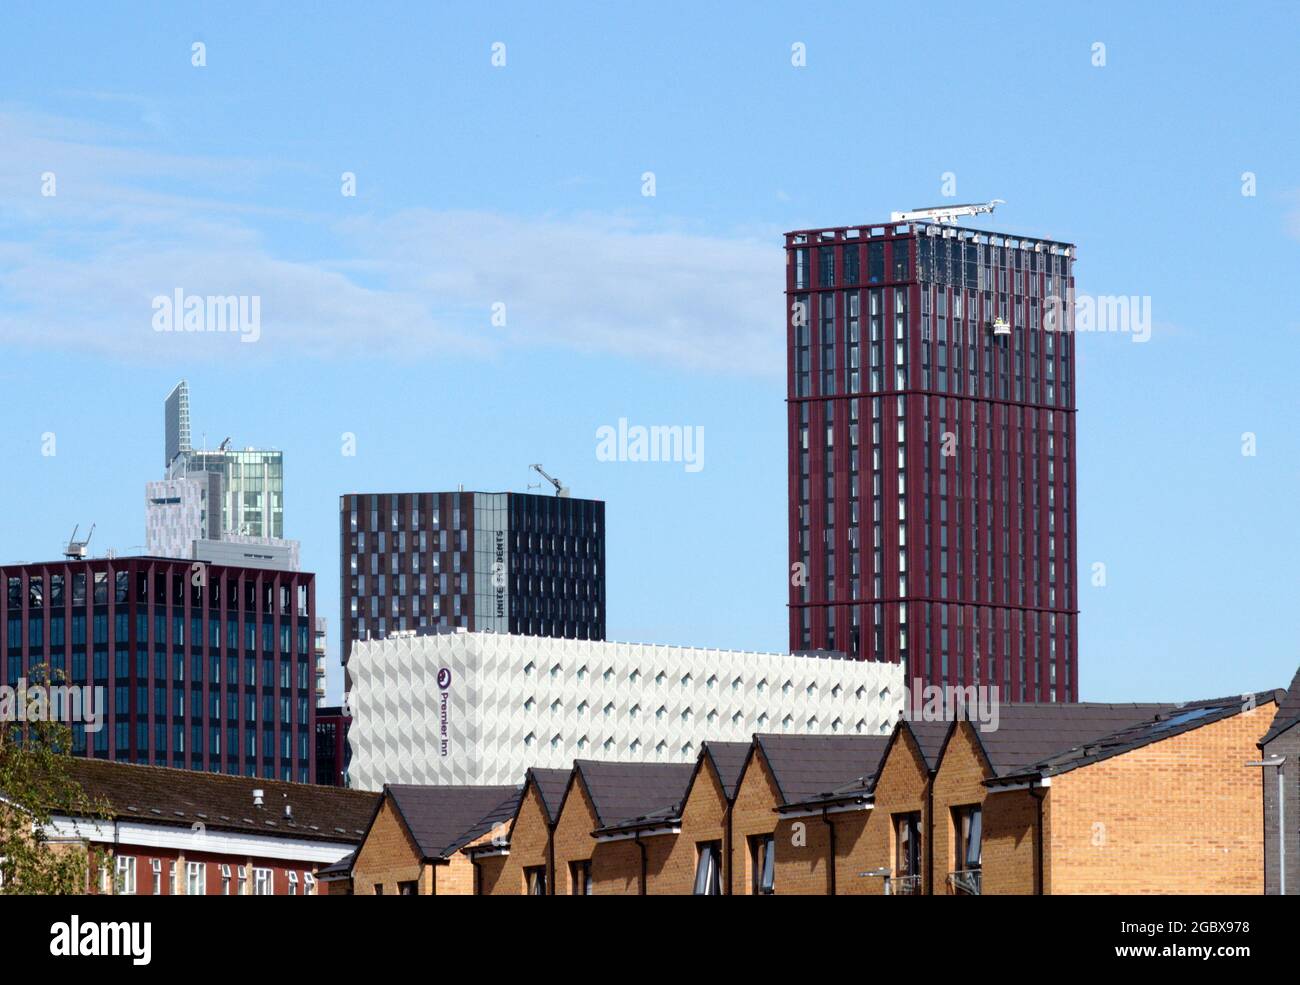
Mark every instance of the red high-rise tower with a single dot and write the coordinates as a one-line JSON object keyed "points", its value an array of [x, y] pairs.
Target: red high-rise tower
{"points": [[932, 437]]}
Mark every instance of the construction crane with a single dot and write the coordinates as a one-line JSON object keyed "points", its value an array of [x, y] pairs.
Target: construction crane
{"points": [[560, 488], [945, 214], [76, 549]]}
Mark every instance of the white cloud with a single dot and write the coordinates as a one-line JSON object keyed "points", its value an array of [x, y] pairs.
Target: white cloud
{"points": [[80, 270]]}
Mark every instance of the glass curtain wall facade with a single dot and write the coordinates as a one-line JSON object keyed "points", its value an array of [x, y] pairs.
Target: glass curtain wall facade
{"points": [[203, 667], [931, 415], [252, 488]]}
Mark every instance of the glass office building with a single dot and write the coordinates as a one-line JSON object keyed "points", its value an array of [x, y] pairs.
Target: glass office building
{"points": [[206, 668], [252, 487]]}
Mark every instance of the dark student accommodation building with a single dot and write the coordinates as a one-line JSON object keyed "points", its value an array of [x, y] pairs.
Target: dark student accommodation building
{"points": [[503, 562], [931, 430]]}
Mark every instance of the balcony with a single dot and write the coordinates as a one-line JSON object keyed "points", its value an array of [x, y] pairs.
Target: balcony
{"points": [[902, 885], [964, 882]]}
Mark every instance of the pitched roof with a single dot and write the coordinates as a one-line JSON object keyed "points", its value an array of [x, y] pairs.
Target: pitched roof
{"points": [[807, 767], [443, 819], [162, 795], [551, 785], [930, 737], [623, 792], [1168, 721], [728, 760], [1288, 712], [1029, 732], [342, 869]]}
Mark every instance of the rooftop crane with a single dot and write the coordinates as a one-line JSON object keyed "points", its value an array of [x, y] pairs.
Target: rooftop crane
{"points": [[945, 214], [560, 488], [76, 549]]}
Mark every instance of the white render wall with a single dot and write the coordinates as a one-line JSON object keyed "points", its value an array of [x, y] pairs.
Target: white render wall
{"points": [[518, 701], [170, 529]]}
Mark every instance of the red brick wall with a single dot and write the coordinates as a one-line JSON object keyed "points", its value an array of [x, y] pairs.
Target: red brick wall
{"points": [[212, 862], [901, 788], [1179, 816], [672, 865], [388, 856], [753, 814], [530, 840], [573, 840]]}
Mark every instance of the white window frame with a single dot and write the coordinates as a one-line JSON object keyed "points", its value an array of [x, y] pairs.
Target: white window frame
{"points": [[242, 874], [196, 876], [293, 883], [124, 874], [263, 877], [155, 866], [308, 884], [225, 880]]}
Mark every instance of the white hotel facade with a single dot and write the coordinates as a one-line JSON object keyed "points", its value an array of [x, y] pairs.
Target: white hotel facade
{"points": [[481, 708]]}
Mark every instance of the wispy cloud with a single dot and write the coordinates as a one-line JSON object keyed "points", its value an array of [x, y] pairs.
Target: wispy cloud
{"points": [[79, 270]]}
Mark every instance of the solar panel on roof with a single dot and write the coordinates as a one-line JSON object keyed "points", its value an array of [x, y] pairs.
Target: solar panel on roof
{"points": [[1182, 718]]}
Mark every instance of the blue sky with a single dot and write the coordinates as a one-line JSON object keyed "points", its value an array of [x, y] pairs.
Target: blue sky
{"points": [[522, 185]]}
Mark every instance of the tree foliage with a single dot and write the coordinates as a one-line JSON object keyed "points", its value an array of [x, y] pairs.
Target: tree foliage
{"points": [[36, 784]]}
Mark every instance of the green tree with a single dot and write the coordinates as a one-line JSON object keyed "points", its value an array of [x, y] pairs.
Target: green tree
{"points": [[37, 783]]}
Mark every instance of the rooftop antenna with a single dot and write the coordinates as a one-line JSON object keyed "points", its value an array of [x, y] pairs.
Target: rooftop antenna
{"points": [[76, 549], [945, 214], [560, 488]]}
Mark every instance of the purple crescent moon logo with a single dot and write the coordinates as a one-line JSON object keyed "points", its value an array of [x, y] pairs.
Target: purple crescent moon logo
{"points": [[444, 679]]}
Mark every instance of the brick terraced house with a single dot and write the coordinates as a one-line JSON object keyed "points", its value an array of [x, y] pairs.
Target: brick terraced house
{"points": [[1058, 798], [415, 844], [622, 860], [526, 862]]}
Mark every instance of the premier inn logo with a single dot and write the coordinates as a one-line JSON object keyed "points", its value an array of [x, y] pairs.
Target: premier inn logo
{"points": [[94, 939]]}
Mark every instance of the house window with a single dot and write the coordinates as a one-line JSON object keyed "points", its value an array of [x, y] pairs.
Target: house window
{"points": [[308, 884], [242, 875], [155, 867], [410, 888], [293, 883], [225, 880], [907, 842], [708, 868], [172, 886], [535, 880], [970, 835], [196, 878], [762, 858], [580, 878], [968, 827], [263, 884], [126, 875]]}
